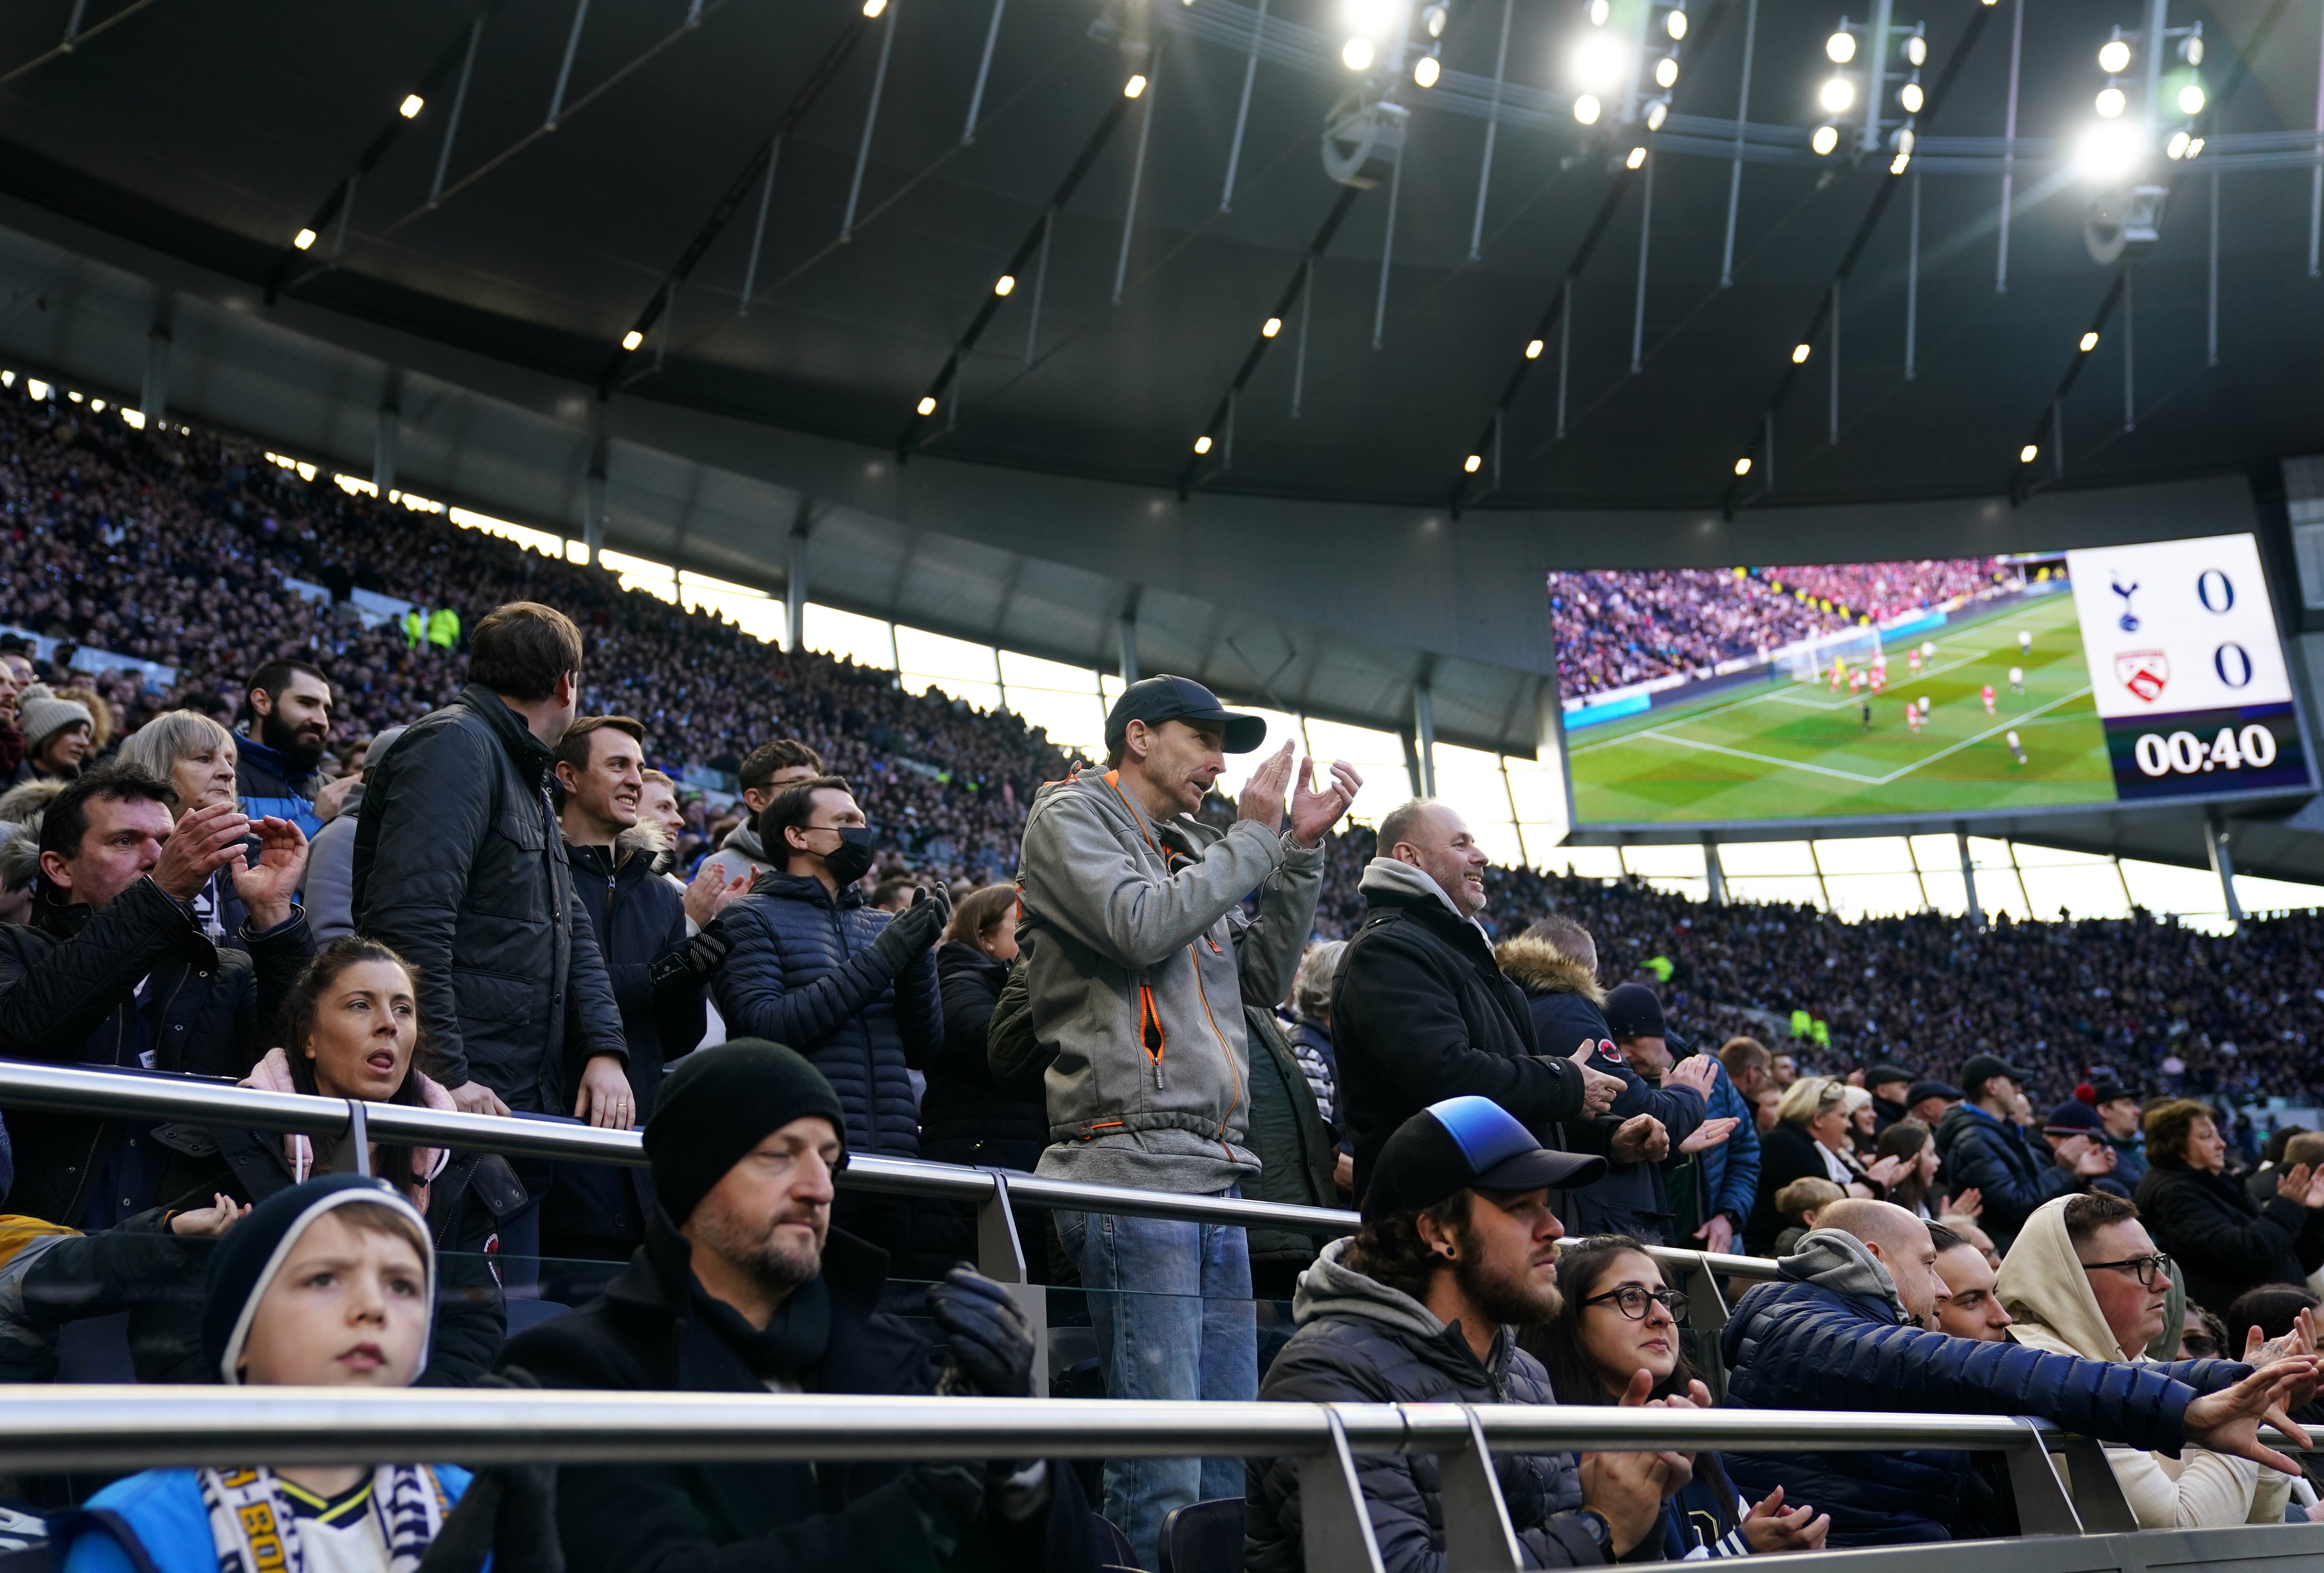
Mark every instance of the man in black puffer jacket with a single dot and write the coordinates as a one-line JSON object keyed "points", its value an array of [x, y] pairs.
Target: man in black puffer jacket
{"points": [[854, 989], [1421, 1010], [1458, 1241], [1843, 1329]]}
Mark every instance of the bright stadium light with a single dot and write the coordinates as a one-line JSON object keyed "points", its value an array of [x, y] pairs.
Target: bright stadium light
{"points": [[1356, 54], [1586, 108], [2111, 102], [1532, 349], [412, 106], [1134, 87], [2191, 98], [1743, 467], [632, 338], [1911, 98], [1004, 283], [2028, 454], [928, 404], [2108, 151], [2177, 146], [1637, 158], [1270, 328], [1800, 355], [2114, 57], [1842, 47], [1838, 96], [1600, 62], [1473, 463], [303, 239], [1666, 72], [1675, 25], [1426, 69], [1203, 443], [1916, 51], [2090, 341], [1825, 139], [1657, 113]]}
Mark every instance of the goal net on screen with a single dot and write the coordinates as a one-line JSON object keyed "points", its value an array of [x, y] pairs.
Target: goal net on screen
{"points": [[1810, 661]]}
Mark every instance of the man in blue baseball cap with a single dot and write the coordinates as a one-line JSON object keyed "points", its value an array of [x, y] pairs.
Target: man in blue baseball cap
{"points": [[1458, 1242]]}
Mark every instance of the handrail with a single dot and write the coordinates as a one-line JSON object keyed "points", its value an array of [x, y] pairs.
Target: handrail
{"points": [[118, 1093], [56, 1428]]}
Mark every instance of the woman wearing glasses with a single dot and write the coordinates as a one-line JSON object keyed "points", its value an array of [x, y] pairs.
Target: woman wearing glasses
{"points": [[2085, 1278], [1618, 1321]]}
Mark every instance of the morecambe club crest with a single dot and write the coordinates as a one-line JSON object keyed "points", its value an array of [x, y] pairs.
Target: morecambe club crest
{"points": [[2143, 673]]}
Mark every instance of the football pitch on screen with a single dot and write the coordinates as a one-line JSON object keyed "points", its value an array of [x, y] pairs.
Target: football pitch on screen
{"points": [[1783, 749]]}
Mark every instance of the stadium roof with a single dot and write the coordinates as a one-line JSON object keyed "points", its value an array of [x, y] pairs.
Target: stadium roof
{"points": [[216, 136]]}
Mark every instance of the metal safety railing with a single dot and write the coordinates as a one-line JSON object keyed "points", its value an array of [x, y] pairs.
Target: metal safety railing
{"points": [[2062, 1484], [352, 1125]]}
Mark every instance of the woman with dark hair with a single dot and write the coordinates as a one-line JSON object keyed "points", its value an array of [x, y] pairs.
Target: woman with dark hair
{"points": [[1914, 1148], [351, 1030], [2224, 1239], [1618, 1321]]}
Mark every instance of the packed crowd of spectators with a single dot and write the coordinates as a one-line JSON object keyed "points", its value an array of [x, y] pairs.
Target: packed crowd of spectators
{"points": [[1618, 626], [903, 944], [172, 548]]}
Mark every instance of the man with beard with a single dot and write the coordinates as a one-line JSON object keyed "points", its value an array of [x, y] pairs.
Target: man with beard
{"points": [[287, 719], [1458, 1242], [743, 1286]]}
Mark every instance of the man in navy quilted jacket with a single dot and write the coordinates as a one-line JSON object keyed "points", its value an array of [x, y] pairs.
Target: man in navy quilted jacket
{"points": [[1845, 1329], [816, 968]]}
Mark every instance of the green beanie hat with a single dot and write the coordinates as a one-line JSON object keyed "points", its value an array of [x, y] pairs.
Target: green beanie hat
{"points": [[722, 1102]]}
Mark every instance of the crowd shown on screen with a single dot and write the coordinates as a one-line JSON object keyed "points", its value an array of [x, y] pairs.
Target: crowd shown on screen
{"points": [[1997, 1172]]}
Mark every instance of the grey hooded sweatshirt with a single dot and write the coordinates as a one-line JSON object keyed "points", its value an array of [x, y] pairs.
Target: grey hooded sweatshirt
{"points": [[1359, 1341], [1136, 972]]}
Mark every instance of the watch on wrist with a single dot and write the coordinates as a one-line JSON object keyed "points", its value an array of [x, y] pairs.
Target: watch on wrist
{"points": [[1600, 1532]]}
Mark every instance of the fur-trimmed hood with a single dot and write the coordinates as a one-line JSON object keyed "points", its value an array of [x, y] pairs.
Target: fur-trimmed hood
{"points": [[1537, 967]]}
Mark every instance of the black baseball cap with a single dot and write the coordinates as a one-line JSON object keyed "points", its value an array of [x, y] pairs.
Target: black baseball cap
{"points": [[1981, 1068], [1156, 699], [1633, 1011], [1928, 1089], [2106, 1092], [1463, 1142], [1882, 1074]]}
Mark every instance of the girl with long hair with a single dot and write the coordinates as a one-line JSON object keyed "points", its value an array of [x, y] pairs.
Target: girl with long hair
{"points": [[1617, 1320]]}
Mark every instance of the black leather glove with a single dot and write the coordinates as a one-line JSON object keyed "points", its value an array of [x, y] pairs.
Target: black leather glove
{"points": [[509, 1511], [914, 929], [989, 1342], [692, 962]]}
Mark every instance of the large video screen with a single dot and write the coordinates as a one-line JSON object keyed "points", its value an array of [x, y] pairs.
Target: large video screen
{"points": [[2118, 674]]}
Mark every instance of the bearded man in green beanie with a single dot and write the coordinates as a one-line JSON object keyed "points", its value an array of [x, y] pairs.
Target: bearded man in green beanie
{"points": [[743, 1286]]}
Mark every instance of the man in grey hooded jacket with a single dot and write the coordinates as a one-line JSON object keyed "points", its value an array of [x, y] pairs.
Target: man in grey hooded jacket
{"points": [[1138, 966]]}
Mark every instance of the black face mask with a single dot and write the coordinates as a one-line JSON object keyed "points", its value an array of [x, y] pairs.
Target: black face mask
{"points": [[851, 860]]}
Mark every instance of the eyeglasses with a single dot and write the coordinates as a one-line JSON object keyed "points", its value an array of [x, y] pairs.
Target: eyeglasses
{"points": [[1631, 1301], [2145, 1269]]}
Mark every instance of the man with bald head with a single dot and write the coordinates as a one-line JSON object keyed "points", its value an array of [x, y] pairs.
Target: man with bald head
{"points": [[1422, 1012], [1846, 1328]]}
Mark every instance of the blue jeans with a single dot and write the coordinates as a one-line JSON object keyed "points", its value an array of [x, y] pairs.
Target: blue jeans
{"points": [[1171, 1301]]}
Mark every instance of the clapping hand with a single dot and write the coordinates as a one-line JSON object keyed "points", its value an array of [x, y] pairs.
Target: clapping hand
{"points": [[2086, 1156], [1884, 1170], [1315, 811], [1261, 799], [1968, 1202], [1599, 1090], [203, 841], [1640, 1139], [268, 886], [2304, 1184], [712, 893], [1698, 1073], [1709, 1133], [1767, 1528], [2301, 1341]]}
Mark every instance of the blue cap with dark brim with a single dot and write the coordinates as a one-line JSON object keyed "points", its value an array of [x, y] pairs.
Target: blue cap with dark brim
{"points": [[1464, 1143]]}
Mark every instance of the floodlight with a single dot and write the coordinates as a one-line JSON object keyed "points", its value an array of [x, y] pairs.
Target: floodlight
{"points": [[2191, 50], [2109, 150], [1911, 98], [303, 239], [1825, 139], [2177, 146], [2090, 341], [1637, 158], [1599, 11], [632, 338], [1424, 71], [1666, 72], [1916, 51], [1586, 108], [1799, 353], [412, 106], [2028, 454], [1270, 328], [1742, 467], [1897, 165], [1842, 47], [1203, 443], [1432, 19], [1473, 463], [1838, 96], [2114, 57], [1356, 54], [1134, 87], [1532, 349], [874, 7], [1599, 61], [1004, 283], [2191, 98], [2111, 103], [1657, 113], [928, 404]]}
